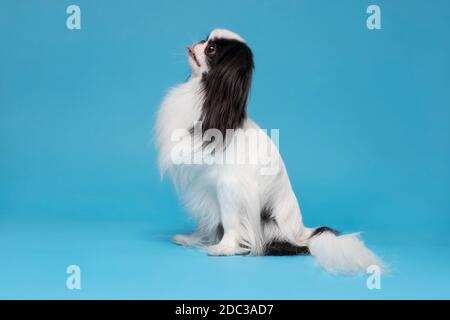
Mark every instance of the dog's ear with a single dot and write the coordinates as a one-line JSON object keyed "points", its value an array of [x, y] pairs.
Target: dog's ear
{"points": [[226, 89]]}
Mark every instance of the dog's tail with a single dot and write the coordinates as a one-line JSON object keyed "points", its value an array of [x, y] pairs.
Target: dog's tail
{"points": [[336, 253], [345, 253]]}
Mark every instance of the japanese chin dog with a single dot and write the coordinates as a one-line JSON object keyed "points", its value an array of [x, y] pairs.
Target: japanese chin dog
{"points": [[228, 171]]}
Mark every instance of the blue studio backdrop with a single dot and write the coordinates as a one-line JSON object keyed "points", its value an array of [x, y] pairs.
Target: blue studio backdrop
{"points": [[363, 115]]}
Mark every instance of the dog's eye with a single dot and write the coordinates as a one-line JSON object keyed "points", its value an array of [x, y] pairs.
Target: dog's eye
{"points": [[210, 49]]}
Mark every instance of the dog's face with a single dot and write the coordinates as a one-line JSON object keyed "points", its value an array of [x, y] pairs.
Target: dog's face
{"points": [[221, 47]]}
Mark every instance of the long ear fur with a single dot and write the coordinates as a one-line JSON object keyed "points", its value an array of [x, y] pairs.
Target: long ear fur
{"points": [[226, 88]]}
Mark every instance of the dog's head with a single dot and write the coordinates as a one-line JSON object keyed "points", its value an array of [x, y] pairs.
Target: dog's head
{"points": [[225, 64], [221, 48]]}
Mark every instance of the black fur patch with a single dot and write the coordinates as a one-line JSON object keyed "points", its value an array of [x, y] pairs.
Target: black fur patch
{"points": [[266, 215], [219, 231], [321, 230], [226, 85], [279, 247], [284, 248]]}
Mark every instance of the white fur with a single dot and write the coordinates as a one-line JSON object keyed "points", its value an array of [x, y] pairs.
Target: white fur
{"points": [[342, 254], [225, 34], [235, 194]]}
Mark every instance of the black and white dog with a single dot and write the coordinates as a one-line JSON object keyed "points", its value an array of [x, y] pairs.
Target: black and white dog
{"points": [[245, 205]]}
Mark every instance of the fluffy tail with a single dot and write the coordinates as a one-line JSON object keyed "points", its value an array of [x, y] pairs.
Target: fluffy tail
{"points": [[335, 253], [341, 253]]}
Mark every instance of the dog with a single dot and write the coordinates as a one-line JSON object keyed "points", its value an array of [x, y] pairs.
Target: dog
{"points": [[240, 209]]}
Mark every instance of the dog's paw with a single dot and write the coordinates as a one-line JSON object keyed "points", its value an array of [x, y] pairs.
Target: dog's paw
{"points": [[185, 239], [223, 250]]}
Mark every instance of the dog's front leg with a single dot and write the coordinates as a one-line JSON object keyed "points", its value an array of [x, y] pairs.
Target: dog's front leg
{"points": [[230, 204]]}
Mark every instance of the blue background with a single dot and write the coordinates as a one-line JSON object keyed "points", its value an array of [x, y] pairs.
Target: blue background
{"points": [[364, 130]]}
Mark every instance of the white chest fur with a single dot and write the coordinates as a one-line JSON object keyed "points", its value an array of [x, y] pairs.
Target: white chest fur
{"points": [[180, 109]]}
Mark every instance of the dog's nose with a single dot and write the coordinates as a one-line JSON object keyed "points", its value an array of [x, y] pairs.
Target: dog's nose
{"points": [[190, 48]]}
